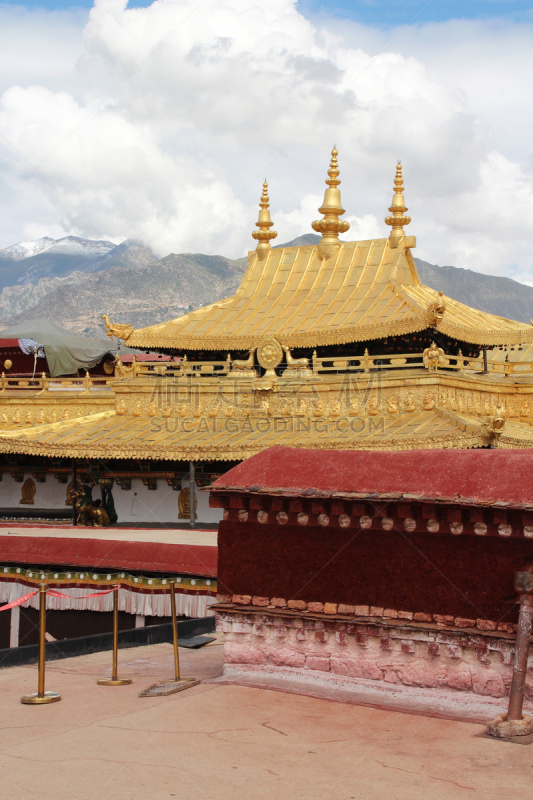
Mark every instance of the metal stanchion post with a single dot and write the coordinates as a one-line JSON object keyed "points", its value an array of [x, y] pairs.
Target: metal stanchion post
{"points": [[114, 680], [177, 680], [41, 696], [515, 723]]}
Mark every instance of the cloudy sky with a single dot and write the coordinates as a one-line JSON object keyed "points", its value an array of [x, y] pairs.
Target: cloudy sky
{"points": [[159, 121]]}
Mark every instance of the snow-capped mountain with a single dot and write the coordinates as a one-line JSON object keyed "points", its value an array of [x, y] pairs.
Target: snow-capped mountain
{"points": [[68, 245], [27, 249], [27, 263]]}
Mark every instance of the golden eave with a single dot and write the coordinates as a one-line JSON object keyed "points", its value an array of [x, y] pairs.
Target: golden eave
{"points": [[108, 435], [368, 290]]}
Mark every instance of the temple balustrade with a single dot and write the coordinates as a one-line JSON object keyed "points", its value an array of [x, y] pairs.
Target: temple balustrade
{"points": [[320, 365], [46, 384]]}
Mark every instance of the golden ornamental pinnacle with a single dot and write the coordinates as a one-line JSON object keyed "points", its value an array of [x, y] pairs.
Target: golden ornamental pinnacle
{"points": [[397, 209], [330, 226], [264, 235]]}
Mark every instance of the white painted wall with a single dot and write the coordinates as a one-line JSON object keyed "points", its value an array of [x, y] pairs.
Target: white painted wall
{"points": [[159, 506], [50, 494]]}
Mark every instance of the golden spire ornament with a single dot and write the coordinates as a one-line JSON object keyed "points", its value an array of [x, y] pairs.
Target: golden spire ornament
{"points": [[330, 226], [398, 208], [264, 223]]}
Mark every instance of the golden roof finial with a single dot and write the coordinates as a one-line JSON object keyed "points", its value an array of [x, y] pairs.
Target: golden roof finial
{"points": [[264, 235], [330, 226], [397, 209]]}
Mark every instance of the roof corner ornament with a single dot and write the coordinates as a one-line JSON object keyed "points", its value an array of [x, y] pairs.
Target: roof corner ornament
{"points": [[264, 223], [398, 208], [330, 226], [495, 425], [118, 330], [437, 309]]}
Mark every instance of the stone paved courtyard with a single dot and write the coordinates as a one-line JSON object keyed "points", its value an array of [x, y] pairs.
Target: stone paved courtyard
{"points": [[231, 742]]}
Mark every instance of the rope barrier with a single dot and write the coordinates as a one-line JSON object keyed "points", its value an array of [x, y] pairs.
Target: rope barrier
{"points": [[19, 601], [41, 697]]}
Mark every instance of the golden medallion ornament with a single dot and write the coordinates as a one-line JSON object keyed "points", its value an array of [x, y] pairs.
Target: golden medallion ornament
{"points": [[270, 355]]}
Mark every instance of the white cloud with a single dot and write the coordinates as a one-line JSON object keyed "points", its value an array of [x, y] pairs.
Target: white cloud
{"points": [[173, 113]]}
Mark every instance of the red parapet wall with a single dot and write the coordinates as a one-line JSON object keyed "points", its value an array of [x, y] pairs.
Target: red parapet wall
{"points": [[462, 576], [109, 554]]}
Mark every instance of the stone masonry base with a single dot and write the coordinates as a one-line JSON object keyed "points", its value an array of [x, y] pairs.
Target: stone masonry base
{"points": [[332, 650]]}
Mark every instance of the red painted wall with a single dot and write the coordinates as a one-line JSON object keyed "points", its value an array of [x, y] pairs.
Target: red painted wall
{"points": [[465, 576]]}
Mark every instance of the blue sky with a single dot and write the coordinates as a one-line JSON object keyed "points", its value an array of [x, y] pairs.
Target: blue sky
{"points": [[372, 12]]}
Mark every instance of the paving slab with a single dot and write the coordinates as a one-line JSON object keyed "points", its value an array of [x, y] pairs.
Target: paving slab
{"points": [[230, 742]]}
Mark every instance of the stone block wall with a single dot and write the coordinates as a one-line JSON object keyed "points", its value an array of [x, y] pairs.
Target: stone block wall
{"points": [[419, 656]]}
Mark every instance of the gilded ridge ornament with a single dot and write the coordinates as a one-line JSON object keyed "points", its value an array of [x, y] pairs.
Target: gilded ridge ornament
{"points": [[264, 223], [330, 226], [117, 330], [437, 309], [398, 208]]}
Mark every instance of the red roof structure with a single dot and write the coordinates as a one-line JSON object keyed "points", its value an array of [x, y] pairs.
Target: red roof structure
{"points": [[470, 477]]}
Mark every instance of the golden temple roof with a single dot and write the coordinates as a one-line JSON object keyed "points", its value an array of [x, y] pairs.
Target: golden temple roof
{"points": [[107, 435], [368, 290]]}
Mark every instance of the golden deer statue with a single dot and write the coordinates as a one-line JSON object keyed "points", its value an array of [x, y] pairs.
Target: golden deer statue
{"points": [[245, 363], [293, 363]]}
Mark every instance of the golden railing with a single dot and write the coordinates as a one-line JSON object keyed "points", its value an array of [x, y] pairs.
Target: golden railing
{"points": [[43, 383], [194, 369], [458, 363], [331, 365], [202, 370]]}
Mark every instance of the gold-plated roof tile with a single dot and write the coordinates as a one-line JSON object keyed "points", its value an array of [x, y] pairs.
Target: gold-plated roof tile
{"points": [[111, 436]]}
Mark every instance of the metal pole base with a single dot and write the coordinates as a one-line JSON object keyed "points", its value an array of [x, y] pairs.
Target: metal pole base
{"points": [[39, 699], [113, 681], [164, 688]]}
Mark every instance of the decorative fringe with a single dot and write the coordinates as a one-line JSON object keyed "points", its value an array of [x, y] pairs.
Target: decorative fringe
{"points": [[145, 604]]}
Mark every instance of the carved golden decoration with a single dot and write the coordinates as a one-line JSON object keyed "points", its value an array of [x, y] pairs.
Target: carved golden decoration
{"points": [[429, 402], [270, 356], [109, 367], [243, 368], [335, 409], [8, 364], [433, 357], [373, 406], [437, 309], [121, 370], [392, 405], [264, 223], [330, 226], [410, 404], [28, 490], [184, 504], [397, 209], [355, 407], [137, 410], [117, 330], [296, 367]]}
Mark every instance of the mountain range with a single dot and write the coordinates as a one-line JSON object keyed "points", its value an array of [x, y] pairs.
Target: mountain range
{"points": [[73, 281]]}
